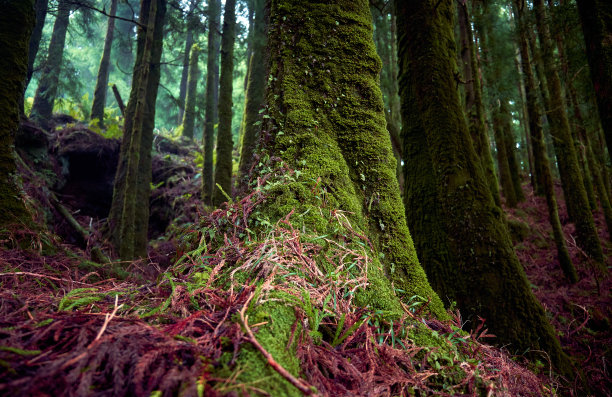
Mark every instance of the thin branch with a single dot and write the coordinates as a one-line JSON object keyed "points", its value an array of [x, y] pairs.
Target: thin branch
{"points": [[103, 12]]}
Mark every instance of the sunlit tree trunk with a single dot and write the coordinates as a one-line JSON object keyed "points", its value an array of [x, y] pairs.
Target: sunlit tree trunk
{"points": [[464, 245], [541, 161], [99, 98], [571, 177], [212, 71], [225, 144], [16, 23], [49, 79], [189, 115], [254, 94]]}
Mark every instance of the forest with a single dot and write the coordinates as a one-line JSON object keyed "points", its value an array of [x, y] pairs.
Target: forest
{"points": [[305, 197]]}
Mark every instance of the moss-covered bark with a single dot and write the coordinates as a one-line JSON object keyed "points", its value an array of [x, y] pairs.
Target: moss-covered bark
{"points": [[540, 158], [99, 98], [16, 23], [569, 169], [225, 143], [326, 121], [49, 78], [256, 85], [189, 115], [596, 18], [143, 176], [474, 250], [212, 72]]}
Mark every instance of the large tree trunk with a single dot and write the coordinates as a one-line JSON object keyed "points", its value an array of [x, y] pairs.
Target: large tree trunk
{"points": [[99, 98], [121, 207], [569, 169], [16, 23], [596, 18], [540, 157], [254, 94], [464, 244], [49, 79], [189, 115], [225, 143], [212, 72]]}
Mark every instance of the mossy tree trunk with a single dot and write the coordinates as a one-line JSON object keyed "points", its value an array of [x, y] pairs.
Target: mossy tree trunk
{"points": [[133, 185], [569, 169], [212, 72], [41, 15], [99, 98], [46, 91], [16, 23], [256, 86], [184, 84], [189, 115], [467, 253], [541, 162], [225, 143], [596, 18], [326, 121]]}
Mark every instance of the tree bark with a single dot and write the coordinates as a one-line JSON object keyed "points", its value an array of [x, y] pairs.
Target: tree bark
{"points": [[569, 169], [467, 253], [212, 71], [99, 98], [46, 91], [225, 144], [183, 87], [41, 14], [16, 23]]}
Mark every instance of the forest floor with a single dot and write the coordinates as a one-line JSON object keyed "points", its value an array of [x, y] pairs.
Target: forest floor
{"points": [[142, 328]]}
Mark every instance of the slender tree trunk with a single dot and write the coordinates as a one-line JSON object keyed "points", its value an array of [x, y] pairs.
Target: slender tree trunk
{"points": [[41, 14], [99, 98], [225, 144], [124, 54], [499, 126], [186, 61], [46, 91], [16, 23], [254, 94], [541, 161], [141, 178], [189, 115], [571, 178], [596, 18], [212, 70], [470, 242]]}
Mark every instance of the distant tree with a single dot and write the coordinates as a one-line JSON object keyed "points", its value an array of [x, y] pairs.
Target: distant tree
{"points": [[124, 54], [225, 144], [541, 161], [596, 18], [191, 21], [459, 232], [46, 91], [256, 84], [212, 72], [569, 169], [189, 115], [41, 14], [16, 24], [99, 98], [129, 215]]}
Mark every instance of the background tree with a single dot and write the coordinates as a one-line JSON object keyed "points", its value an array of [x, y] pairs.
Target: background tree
{"points": [[47, 85], [461, 237], [127, 221], [191, 22], [212, 72], [225, 143], [189, 115], [99, 98], [41, 15], [16, 24]]}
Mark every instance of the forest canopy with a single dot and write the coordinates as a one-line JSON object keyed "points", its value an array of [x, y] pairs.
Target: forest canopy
{"points": [[303, 197]]}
